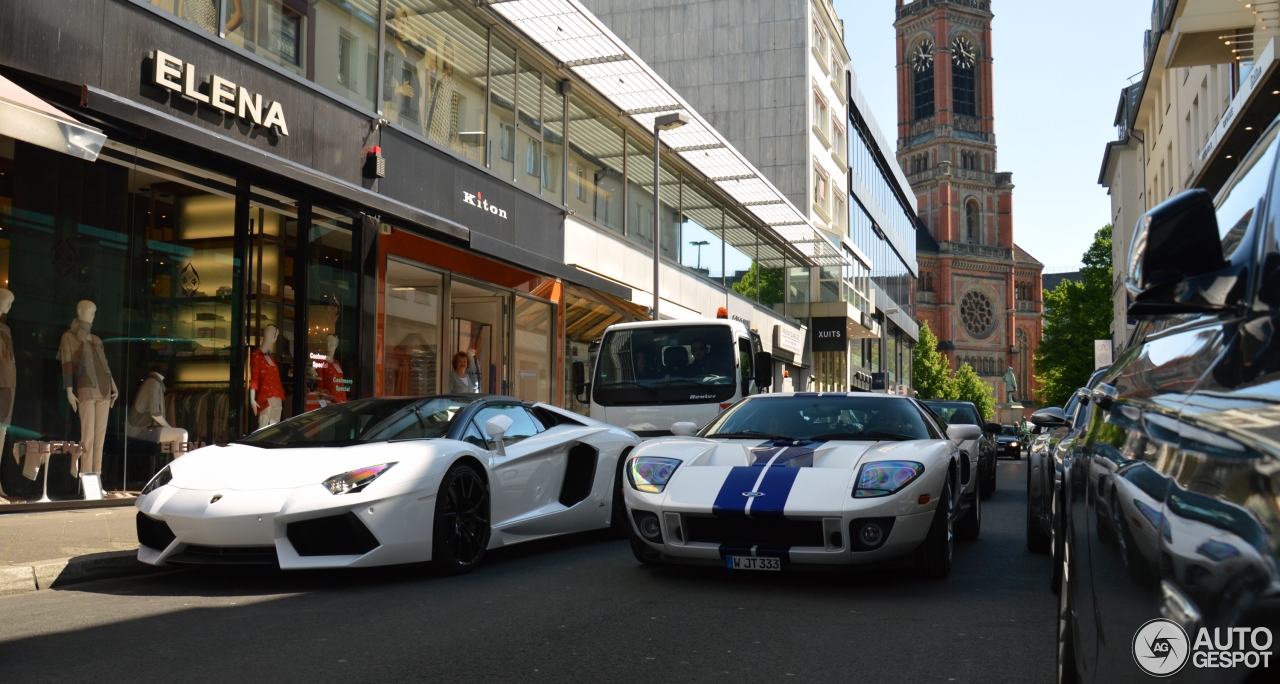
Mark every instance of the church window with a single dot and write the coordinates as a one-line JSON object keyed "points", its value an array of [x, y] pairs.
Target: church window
{"points": [[922, 79], [977, 314], [971, 221], [964, 58]]}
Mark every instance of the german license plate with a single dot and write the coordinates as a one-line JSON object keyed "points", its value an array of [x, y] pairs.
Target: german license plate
{"points": [[752, 563]]}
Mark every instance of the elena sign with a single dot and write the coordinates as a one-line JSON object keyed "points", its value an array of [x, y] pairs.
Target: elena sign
{"points": [[171, 73]]}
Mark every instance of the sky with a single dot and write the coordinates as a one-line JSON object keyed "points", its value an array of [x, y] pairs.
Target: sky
{"points": [[1059, 69]]}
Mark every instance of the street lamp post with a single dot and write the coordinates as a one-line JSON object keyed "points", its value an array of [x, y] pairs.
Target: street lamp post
{"points": [[699, 244], [665, 122]]}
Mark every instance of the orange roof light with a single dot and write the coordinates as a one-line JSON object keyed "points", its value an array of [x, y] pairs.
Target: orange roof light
{"points": [[722, 312]]}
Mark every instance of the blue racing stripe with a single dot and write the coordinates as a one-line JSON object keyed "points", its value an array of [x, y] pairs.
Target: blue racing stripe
{"points": [[776, 487], [730, 500]]}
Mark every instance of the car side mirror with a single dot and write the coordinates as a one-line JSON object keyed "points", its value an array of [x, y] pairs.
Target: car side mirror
{"points": [[1052, 417], [579, 380], [497, 427], [764, 370], [1175, 241], [963, 433], [684, 429]]}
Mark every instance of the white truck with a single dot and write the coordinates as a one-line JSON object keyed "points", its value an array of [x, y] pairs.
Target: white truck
{"points": [[651, 374]]}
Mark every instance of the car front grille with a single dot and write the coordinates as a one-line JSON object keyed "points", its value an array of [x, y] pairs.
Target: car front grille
{"points": [[226, 555], [743, 531]]}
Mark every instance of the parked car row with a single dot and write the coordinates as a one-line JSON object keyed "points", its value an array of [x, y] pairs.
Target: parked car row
{"points": [[1156, 487]]}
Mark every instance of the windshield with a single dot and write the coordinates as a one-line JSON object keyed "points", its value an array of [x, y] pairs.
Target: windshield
{"points": [[820, 418], [1008, 431], [358, 422], [955, 414], [667, 364]]}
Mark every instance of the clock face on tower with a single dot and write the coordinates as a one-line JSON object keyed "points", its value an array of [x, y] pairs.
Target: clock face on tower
{"points": [[922, 56], [963, 53]]}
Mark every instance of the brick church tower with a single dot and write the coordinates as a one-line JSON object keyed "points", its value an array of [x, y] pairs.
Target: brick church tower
{"points": [[979, 291]]}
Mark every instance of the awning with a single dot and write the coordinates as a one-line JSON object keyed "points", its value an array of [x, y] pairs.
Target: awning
{"points": [[28, 118]]}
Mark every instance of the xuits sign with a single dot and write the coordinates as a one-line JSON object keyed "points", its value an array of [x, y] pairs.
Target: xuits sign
{"points": [[830, 334], [181, 77]]}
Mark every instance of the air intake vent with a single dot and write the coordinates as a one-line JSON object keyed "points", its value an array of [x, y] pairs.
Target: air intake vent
{"points": [[154, 534], [336, 535]]}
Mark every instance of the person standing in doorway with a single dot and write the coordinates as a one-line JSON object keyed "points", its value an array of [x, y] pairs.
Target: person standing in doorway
{"points": [[459, 379]]}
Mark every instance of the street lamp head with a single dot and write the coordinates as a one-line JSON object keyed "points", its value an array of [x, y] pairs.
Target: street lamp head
{"points": [[667, 122], [699, 243]]}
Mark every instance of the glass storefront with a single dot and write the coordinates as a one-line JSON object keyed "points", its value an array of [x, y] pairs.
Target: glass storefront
{"points": [[135, 330]]}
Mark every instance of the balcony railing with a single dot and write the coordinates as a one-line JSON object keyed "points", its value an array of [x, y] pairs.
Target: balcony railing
{"points": [[926, 297], [1029, 306], [987, 251]]}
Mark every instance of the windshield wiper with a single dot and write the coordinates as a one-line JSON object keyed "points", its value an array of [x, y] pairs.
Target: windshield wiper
{"points": [[748, 434], [627, 383], [691, 381]]}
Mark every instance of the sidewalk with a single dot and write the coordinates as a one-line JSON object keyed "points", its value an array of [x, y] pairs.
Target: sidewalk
{"points": [[44, 550]]}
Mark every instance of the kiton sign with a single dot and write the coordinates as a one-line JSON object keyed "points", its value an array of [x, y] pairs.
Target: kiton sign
{"points": [[477, 199], [173, 74]]}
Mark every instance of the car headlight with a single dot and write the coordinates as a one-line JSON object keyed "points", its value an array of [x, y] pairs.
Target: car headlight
{"points": [[1013, 445], [161, 479], [651, 474], [355, 480], [883, 478]]}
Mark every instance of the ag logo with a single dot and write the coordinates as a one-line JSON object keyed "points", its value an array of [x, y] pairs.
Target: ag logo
{"points": [[1161, 648]]}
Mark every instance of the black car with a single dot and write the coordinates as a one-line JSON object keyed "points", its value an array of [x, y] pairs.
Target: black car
{"points": [[1171, 499], [984, 448], [1009, 442]]}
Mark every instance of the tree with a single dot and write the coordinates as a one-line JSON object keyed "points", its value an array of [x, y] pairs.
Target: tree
{"points": [[931, 374], [1076, 314], [970, 387], [772, 284]]}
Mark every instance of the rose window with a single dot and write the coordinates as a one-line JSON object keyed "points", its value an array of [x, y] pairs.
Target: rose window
{"points": [[977, 314]]}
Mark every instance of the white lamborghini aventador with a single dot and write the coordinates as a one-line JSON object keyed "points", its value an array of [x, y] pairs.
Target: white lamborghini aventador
{"points": [[382, 481], [790, 480]]}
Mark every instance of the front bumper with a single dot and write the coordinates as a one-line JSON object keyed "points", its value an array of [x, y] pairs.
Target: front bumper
{"points": [[306, 527]]}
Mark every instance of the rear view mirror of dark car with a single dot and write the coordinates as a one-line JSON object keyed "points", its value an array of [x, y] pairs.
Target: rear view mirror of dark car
{"points": [[1173, 242]]}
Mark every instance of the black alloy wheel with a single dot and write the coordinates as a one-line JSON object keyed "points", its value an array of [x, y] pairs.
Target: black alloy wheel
{"points": [[1067, 672], [618, 525], [461, 533], [935, 554], [1037, 540], [970, 526]]}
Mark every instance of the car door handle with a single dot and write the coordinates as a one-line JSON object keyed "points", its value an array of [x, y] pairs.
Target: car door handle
{"points": [[1174, 605]]}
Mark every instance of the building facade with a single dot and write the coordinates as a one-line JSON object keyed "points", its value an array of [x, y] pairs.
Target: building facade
{"points": [[979, 291], [777, 83], [299, 204], [1206, 93]]}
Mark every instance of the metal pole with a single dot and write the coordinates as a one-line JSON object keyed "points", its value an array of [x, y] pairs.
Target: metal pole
{"points": [[657, 224]]}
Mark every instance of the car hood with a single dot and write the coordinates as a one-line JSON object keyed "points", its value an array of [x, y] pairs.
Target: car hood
{"points": [[845, 455], [240, 467]]}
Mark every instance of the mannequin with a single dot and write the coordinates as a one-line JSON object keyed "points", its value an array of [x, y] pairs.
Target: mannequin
{"points": [[8, 375], [91, 390], [331, 378], [146, 415], [266, 394]]}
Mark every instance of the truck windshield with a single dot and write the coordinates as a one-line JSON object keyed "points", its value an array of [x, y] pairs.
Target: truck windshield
{"points": [[666, 364]]}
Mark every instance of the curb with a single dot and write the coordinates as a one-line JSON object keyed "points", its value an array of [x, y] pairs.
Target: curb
{"points": [[60, 572]]}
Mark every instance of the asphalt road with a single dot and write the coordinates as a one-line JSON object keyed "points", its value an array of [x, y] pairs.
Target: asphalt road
{"points": [[570, 610]]}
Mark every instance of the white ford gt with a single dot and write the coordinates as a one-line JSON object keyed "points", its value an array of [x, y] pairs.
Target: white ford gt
{"points": [[382, 481], [782, 480]]}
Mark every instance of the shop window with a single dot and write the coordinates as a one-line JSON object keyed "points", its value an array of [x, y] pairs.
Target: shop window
{"points": [[502, 101], [271, 309], [529, 127], [702, 247], [531, 375], [552, 140], [640, 219], [739, 256], [333, 309], [413, 297], [446, 80], [201, 13], [596, 145], [280, 31]]}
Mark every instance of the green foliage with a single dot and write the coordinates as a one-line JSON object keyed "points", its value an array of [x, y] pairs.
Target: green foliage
{"points": [[772, 284], [1076, 314], [970, 387], [931, 374]]}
